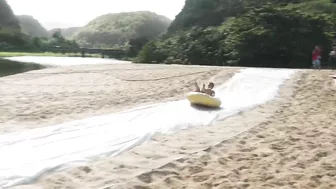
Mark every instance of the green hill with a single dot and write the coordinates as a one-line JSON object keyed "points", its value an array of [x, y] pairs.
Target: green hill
{"points": [[205, 13], [11, 36], [271, 33], [66, 32], [8, 19], [31, 26], [114, 30], [25, 34]]}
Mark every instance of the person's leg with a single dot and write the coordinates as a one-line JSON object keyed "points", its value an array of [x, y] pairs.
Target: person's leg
{"points": [[197, 88], [330, 63], [318, 64], [314, 64]]}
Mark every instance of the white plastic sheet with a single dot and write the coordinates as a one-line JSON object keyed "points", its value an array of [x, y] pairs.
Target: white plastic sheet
{"points": [[27, 155], [64, 61]]}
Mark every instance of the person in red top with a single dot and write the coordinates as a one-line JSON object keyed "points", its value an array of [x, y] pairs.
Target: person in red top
{"points": [[316, 56]]}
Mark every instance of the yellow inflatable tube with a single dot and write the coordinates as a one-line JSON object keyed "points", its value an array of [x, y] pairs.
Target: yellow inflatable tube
{"points": [[203, 99]]}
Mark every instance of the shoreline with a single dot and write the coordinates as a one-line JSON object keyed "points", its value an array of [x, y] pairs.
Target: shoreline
{"points": [[14, 54]]}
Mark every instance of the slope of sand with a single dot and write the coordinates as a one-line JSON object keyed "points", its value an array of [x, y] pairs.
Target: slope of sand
{"points": [[55, 95], [292, 144], [295, 148]]}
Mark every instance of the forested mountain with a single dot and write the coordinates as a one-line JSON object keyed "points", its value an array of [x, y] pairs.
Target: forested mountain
{"points": [[214, 12], [30, 36], [8, 19], [116, 29], [10, 31], [66, 32], [32, 27], [273, 33]]}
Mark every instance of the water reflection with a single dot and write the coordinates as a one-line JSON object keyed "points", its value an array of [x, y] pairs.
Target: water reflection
{"points": [[8, 67]]}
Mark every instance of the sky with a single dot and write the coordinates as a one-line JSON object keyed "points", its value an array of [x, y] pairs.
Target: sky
{"points": [[70, 13]]}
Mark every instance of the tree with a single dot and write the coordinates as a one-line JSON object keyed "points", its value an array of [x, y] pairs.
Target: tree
{"points": [[135, 45], [276, 37], [37, 42], [58, 35], [150, 53]]}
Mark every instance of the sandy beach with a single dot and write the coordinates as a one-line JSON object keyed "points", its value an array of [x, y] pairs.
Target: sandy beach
{"points": [[55, 95], [290, 141]]}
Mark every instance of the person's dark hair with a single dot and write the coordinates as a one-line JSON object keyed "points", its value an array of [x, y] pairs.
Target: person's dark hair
{"points": [[211, 84]]}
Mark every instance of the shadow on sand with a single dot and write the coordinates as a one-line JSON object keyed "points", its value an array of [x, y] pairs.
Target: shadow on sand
{"points": [[205, 108]]}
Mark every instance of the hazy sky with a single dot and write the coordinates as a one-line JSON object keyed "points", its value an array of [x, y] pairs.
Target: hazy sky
{"points": [[67, 13]]}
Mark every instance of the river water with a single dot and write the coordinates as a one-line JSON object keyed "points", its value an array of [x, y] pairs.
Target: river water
{"points": [[64, 61], [20, 64]]}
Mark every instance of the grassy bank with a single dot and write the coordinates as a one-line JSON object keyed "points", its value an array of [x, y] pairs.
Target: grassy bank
{"points": [[11, 54], [8, 67]]}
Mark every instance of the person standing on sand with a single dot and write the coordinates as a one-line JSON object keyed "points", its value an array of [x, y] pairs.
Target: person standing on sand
{"points": [[332, 58], [316, 56]]}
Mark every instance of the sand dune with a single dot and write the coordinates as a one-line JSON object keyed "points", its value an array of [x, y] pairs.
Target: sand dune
{"points": [[291, 143]]}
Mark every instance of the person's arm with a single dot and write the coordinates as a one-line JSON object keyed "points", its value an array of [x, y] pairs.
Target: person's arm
{"points": [[203, 88], [319, 54], [197, 87]]}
